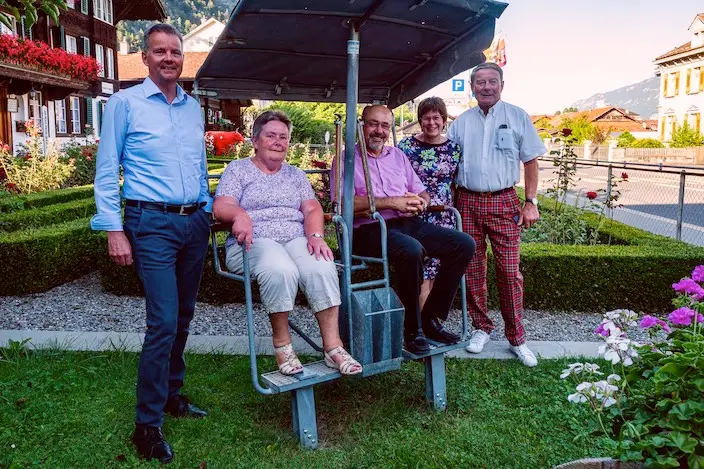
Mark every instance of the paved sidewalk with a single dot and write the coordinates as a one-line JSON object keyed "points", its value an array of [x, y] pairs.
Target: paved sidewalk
{"points": [[238, 345]]}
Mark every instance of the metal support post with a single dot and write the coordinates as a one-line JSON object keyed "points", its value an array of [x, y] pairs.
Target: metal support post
{"points": [[435, 384], [303, 416], [680, 207], [609, 177]]}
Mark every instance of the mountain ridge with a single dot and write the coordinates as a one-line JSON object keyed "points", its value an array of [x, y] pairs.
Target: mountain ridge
{"points": [[641, 98]]}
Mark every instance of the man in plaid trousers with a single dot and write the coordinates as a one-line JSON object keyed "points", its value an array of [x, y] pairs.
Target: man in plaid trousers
{"points": [[496, 137]]}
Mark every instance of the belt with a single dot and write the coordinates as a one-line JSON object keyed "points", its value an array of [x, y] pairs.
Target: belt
{"points": [[162, 207], [485, 194]]}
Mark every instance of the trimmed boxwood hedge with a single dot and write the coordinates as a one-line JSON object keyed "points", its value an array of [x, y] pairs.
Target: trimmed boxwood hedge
{"points": [[559, 278], [43, 199], [35, 260], [47, 215]]}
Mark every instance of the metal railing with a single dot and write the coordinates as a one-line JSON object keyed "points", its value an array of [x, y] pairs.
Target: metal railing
{"points": [[662, 199]]}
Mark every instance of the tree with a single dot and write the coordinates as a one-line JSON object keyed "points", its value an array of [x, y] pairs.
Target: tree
{"points": [[647, 143], [686, 136], [28, 8], [582, 129], [569, 109], [626, 140]]}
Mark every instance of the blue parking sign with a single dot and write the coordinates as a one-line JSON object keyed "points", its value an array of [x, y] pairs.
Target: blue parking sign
{"points": [[457, 85]]}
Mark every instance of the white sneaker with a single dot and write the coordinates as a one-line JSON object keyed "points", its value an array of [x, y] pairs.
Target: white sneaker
{"points": [[525, 355], [478, 341]]}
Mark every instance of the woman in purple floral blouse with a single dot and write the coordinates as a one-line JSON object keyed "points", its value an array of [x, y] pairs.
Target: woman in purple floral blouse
{"points": [[435, 160]]}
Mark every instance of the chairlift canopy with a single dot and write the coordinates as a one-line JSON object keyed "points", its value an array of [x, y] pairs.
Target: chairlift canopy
{"points": [[296, 50]]}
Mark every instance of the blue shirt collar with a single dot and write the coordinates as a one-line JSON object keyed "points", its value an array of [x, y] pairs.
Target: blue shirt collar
{"points": [[150, 89]]}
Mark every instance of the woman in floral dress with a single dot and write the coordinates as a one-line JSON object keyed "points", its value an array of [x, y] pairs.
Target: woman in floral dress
{"points": [[435, 160]]}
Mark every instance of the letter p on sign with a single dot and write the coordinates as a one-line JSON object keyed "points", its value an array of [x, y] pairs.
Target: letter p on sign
{"points": [[458, 85]]}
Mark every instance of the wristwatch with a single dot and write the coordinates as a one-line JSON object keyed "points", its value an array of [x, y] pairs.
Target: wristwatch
{"points": [[316, 235], [534, 201]]}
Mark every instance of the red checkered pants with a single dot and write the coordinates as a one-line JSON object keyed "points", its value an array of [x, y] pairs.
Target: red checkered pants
{"points": [[485, 215]]}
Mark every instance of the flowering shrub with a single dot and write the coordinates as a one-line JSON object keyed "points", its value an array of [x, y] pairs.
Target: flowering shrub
{"points": [[33, 171], [83, 158], [651, 407], [39, 56]]}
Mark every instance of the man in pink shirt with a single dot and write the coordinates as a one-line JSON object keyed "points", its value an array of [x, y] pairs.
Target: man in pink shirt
{"points": [[400, 196]]}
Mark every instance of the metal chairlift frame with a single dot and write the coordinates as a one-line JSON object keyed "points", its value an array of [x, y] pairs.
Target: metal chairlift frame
{"points": [[301, 385]]}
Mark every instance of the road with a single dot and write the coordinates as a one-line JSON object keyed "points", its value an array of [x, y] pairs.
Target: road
{"points": [[648, 200]]}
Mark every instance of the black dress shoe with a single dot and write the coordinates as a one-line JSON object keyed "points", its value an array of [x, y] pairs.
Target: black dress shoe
{"points": [[434, 330], [417, 344], [181, 406], [150, 444]]}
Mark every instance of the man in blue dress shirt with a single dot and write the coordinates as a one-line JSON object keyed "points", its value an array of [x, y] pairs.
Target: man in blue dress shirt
{"points": [[155, 132]]}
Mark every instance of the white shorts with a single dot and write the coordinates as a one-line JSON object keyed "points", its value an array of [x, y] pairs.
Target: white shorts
{"points": [[280, 269]]}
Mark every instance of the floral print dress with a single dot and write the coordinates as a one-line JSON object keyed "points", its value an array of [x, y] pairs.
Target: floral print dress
{"points": [[436, 165]]}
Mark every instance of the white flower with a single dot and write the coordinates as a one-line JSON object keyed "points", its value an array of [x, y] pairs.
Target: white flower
{"points": [[608, 402], [12, 446], [577, 398], [592, 368], [613, 378], [574, 368]]}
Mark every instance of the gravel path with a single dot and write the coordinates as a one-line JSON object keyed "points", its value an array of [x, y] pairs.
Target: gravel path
{"points": [[82, 305]]}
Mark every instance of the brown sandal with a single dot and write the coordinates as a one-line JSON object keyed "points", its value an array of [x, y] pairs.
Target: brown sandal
{"points": [[348, 366]]}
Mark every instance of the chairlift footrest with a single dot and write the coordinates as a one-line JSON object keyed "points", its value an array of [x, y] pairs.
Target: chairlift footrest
{"points": [[376, 368], [436, 348], [312, 374]]}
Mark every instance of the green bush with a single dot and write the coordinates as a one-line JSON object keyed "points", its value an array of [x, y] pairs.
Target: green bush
{"points": [[83, 158], [647, 143], [49, 215], [42, 199], [36, 260]]}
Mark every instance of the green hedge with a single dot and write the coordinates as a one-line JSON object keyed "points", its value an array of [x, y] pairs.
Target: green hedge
{"points": [[48, 215], [37, 260], [557, 278], [43, 199]]}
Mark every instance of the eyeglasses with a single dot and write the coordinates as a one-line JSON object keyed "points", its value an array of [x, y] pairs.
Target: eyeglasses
{"points": [[376, 124]]}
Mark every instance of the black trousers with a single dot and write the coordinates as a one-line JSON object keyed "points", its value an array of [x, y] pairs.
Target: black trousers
{"points": [[410, 240]]}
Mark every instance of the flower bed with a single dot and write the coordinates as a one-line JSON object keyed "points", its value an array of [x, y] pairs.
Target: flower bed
{"points": [[37, 55]]}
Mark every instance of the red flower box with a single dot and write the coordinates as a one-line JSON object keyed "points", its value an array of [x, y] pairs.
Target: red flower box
{"points": [[39, 56]]}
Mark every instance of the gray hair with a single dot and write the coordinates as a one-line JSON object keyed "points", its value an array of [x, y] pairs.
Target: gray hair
{"points": [[160, 28], [266, 117], [487, 66]]}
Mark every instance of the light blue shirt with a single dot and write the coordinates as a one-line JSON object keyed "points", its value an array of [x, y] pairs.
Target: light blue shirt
{"points": [[160, 147], [493, 146]]}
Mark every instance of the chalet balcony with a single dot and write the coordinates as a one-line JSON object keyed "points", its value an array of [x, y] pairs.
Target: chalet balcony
{"points": [[26, 64]]}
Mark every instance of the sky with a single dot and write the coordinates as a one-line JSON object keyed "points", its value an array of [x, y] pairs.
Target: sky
{"points": [[561, 51]]}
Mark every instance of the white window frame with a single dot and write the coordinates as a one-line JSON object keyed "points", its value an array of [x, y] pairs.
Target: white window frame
{"points": [[60, 111], [102, 10], [100, 58], [694, 79], [71, 44], [75, 115], [110, 63]]}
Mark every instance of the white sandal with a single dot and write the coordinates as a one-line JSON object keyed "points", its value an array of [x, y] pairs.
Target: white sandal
{"points": [[348, 366], [291, 365]]}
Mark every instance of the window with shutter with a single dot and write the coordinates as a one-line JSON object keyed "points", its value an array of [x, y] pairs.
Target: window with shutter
{"points": [[677, 83], [26, 29], [84, 7], [701, 78], [101, 106], [86, 46], [62, 37], [89, 112], [664, 84], [688, 80], [698, 122], [662, 129]]}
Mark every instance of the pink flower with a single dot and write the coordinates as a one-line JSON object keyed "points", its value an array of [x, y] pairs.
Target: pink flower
{"points": [[664, 325], [700, 318], [89, 158], [682, 316], [591, 195], [648, 321], [601, 330], [698, 273], [690, 287]]}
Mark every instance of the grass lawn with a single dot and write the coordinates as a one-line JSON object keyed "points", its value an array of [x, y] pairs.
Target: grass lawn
{"points": [[73, 410]]}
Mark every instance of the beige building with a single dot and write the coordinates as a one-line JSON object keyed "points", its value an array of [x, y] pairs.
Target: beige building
{"points": [[681, 72]]}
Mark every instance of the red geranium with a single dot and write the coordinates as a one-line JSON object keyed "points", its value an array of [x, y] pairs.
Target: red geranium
{"points": [[592, 195], [624, 175], [320, 164], [39, 56]]}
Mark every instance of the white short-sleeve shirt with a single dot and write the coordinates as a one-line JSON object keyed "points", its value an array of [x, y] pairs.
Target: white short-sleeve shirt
{"points": [[493, 146]]}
